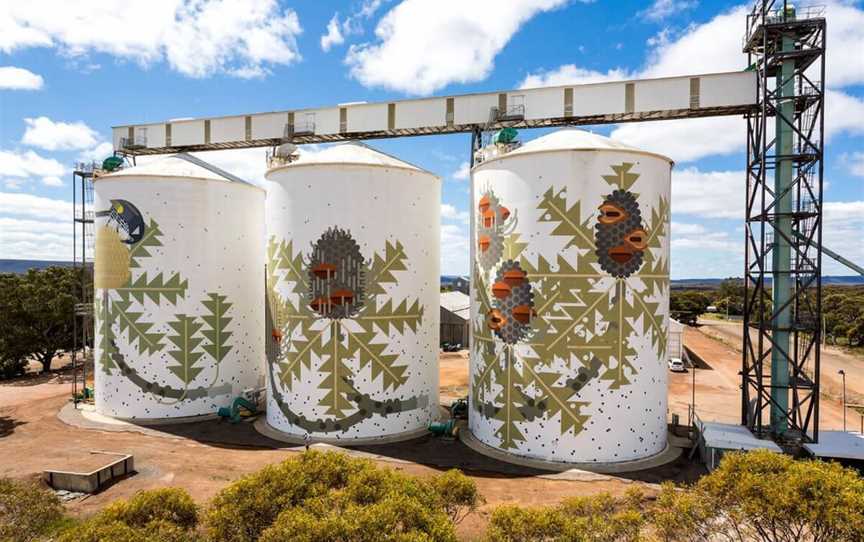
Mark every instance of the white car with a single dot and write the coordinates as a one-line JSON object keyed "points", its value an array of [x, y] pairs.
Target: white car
{"points": [[677, 366]]}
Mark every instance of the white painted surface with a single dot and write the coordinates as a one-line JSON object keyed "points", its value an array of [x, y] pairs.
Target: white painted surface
{"points": [[212, 235], [624, 424], [378, 199]]}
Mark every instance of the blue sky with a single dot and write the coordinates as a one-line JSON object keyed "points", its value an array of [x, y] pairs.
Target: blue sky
{"points": [[69, 70]]}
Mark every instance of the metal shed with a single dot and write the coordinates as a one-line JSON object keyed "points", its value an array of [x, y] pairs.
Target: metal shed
{"points": [[455, 316]]}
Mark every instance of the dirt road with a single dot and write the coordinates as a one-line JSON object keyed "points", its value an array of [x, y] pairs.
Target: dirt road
{"points": [[718, 395], [832, 359]]}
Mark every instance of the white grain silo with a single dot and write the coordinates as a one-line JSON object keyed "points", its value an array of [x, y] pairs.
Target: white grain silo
{"points": [[570, 299], [179, 289], [353, 286]]}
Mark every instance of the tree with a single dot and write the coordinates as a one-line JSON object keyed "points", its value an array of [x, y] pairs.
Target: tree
{"points": [[13, 335], [686, 306], [37, 311], [769, 497]]}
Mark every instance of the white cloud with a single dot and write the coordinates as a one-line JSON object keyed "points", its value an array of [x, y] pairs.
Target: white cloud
{"points": [[30, 206], [46, 134], [571, 74], [449, 212], [248, 164], [423, 46], [685, 140], [334, 34], [12, 78], [709, 194], [662, 9], [843, 114], [99, 152], [854, 163], [196, 37], [29, 164], [338, 30], [454, 249], [463, 173], [843, 227], [715, 46], [35, 239], [52, 181], [697, 237]]}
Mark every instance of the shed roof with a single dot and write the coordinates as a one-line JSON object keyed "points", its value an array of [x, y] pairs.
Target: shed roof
{"points": [[456, 303]]}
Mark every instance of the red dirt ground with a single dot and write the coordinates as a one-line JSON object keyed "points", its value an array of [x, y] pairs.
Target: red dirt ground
{"points": [[31, 433]]}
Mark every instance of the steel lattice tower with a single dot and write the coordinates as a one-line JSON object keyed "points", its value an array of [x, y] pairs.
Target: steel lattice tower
{"points": [[783, 230]]}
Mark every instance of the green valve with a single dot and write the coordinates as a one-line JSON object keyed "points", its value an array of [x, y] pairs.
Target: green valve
{"points": [[505, 135], [112, 163]]}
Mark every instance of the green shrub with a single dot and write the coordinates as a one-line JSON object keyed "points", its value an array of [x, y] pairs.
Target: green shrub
{"points": [[597, 518], [169, 505], [330, 496], [159, 515], [458, 494], [242, 511], [772, 497], [27, 511], [510, 523]]}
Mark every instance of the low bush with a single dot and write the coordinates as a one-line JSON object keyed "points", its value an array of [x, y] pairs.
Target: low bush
{"points": [[159, 515], [27, 511], [330, 496], [597, 518]]}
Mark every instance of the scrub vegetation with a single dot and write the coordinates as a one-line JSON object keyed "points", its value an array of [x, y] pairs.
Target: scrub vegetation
{"points": [[752, 497]]}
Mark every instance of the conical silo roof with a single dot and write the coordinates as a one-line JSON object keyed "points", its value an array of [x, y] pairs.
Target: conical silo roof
{"points": [[178, 165]]}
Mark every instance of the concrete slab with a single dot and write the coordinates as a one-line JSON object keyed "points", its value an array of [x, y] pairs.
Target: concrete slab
{"points": [[838, 445], [99, 470], [668, 455]]}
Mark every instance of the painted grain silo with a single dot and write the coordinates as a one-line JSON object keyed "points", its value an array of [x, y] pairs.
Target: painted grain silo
{"points": [[570, 300], [179, 289], [353, 287]]}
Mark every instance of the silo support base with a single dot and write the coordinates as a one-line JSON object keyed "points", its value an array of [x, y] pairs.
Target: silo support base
{"points": [[668, 455], [270, 432]]}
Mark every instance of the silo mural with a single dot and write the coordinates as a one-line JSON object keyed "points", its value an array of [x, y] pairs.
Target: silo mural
{"points": [[179, 271], [352, 296], [570, 300]]}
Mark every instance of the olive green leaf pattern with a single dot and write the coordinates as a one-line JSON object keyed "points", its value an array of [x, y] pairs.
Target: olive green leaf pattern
{"points": [[389, 319], [383, 365], [381, 270], [149, 240], [186, 343], [513, 383], [622, 177], [152, 289], [583, 318], [106, 335], [140, 333], [313, 342], [335, 373], [216, 321], [568, 219]]}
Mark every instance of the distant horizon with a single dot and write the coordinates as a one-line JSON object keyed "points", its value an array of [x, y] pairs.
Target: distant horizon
{"points": [[841, 278]]}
